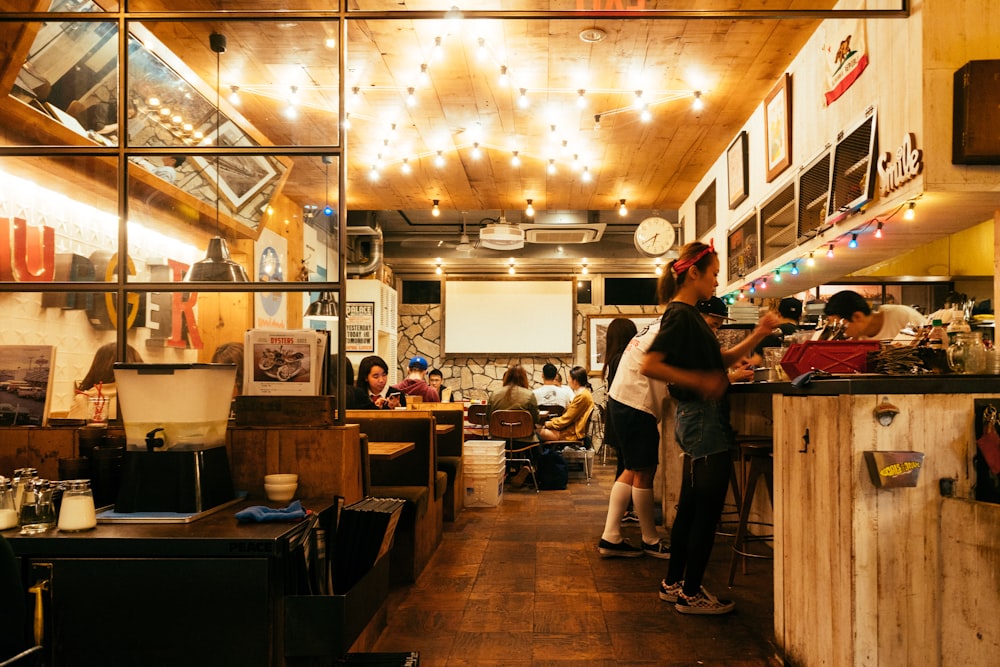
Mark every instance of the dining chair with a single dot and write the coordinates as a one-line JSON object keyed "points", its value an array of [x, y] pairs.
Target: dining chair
{"points": [[514, 426], [554, 410], [582, 450], [480, 422]]}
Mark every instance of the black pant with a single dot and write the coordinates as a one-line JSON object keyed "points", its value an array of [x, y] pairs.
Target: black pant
{"points": [[703, 493]]}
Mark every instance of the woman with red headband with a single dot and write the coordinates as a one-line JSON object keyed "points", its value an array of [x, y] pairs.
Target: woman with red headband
{"points": [[686, 355]]}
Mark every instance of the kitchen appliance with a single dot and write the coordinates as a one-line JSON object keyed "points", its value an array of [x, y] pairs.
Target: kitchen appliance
{"points": [[175, 418]]}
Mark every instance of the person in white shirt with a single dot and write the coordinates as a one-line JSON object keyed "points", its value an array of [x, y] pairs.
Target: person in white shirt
{"points": [[551, 393], [862, 322]]}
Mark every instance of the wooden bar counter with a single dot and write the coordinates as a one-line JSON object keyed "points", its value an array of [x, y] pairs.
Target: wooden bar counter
{"points": [[879, 576]]}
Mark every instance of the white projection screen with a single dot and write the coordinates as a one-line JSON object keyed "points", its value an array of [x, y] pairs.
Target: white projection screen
{"points": [[508, 317]]}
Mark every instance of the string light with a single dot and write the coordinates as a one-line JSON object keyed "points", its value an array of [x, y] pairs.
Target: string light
{"points": [[586, 174], [439, 159], [476, 153], [436, 51], [810, 261], [622, 210], [911, 212], [481, 52], [853, 243], [763, 282], [697, 104], [742, 296], [510, 266], [522, 101], [638, 100], [436, 210], [777, 275], [234, 94], [552, 166], [581, 99], [347, 121], [530, 210], [504, 79], [424, 78], [438, 269], [583, 267], [829, 251], [657, 269], [597, 122], [515, 160], [878, 230], [753, 287], [405, 168], [795, 269], [645, 115], [411, 98]]}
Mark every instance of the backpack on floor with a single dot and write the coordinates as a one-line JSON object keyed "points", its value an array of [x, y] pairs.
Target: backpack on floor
{"points": [[551, 473]]}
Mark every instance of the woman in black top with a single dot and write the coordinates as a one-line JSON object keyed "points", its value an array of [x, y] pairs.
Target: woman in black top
{"points": [[620, 332], [686, 354]]}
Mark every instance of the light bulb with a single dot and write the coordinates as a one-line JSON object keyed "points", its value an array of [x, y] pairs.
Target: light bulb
{"points": [[622, 210], [853, 242], [406, 166], [481, 52], [436, 52], [153, 102], [293, 95], [438, 270], [829, 251], [529, 210], [584, 270], [411, 98], [763, 282], [638, 100], [698, 104], [439, 159], [355, 96], [878, 230], [234, 95], [522, 101], [910, 211], [753, 288], [373, 173], [645, 115], [795, 269], [436, 210], [424, 78], [777, 275], [476, 153], [597, 122], [347, 121], [742, 296], [504, 79], [552, 166], [393, 134], [810, 261], [330, 43], [581, 99], [586, 174], [515, 161]]}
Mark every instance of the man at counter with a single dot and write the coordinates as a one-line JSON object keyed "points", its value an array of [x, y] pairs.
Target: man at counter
{"points": [[861, 322], [415, 385]]}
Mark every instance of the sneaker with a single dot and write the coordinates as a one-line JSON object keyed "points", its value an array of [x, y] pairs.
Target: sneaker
{"points": [[623, 549], [630, 517], [659, 550], [521, 476], [669, 592], [704, 603]]}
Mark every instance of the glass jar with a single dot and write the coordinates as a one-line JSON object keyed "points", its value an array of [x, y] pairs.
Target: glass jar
{"points": [[23, 477], [37, 514], [8, 515], [77, 511], [967, 354]]}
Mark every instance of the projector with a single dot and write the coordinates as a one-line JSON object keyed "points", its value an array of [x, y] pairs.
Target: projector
{"points": [[501, 236]]}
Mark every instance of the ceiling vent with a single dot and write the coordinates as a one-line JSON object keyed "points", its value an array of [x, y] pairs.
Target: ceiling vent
{"points": [[501, 236], [563, 234]]}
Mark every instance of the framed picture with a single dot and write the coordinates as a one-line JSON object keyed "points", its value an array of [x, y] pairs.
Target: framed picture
{"points": [[597, 328], [737, 162], [778, 127], [360, 326], [742, 246], [239, 177]]}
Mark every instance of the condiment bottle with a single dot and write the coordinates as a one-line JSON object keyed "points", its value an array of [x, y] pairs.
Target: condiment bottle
{"points": [[22, 479], [8, 515], [77, 511], [957, 325], [37, 513], [938, 337]]}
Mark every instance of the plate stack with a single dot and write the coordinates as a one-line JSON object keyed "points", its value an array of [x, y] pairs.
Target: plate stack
{"points": [[484, 465], [744, 313]]}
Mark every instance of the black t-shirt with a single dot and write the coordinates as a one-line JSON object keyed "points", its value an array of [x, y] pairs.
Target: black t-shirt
{"points": [[686, 341]]}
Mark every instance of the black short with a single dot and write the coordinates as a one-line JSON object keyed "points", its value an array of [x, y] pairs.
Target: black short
{"points": [[637, 434]]}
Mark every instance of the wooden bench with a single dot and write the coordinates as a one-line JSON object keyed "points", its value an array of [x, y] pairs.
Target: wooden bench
{"points": [[412, 477], [449, 452]]}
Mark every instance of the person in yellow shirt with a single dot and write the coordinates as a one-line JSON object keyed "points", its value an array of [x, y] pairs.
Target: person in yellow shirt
{"points": [[572, 424]]}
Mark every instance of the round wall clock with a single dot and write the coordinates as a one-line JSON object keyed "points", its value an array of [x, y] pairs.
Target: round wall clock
{"points": [[654, 236]]}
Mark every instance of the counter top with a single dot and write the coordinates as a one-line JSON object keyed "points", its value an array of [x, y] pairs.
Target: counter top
{"points": [[870, 383]]}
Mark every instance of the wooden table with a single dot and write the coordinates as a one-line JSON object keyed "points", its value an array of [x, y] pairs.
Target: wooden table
{"points": [[387, 451], [441, 429]]}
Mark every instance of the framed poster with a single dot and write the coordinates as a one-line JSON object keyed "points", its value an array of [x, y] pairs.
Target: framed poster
{"points": [[360, 326], [238, 177], [597, 333], [742, 247], [778, 127], [737, 163]]}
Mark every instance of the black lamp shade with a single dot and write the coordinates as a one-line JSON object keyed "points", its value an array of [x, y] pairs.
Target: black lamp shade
{"points": [[323, 308], [217, 266]]}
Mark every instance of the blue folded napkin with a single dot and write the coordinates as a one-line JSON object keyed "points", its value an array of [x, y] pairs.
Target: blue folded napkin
{"points": [[261, 514]]}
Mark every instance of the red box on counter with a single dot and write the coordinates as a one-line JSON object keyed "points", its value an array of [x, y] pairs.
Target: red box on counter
{"points": [[832, 356]]}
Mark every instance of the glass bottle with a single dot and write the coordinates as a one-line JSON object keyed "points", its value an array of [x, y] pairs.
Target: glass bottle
{"points": [[37, 513], [938, 337], [22, 478], [77, 511], [967, 354], [957, 324], [8, 515]]}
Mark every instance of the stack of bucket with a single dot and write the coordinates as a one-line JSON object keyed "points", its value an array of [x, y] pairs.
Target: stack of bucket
{"points": [[484, 466]]}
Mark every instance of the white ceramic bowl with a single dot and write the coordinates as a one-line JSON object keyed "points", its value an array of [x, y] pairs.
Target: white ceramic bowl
{"points": [[281, 478], [280, 492]]}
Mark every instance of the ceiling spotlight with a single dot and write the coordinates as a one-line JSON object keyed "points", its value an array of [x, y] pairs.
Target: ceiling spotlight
{"points": [[515, 160], [581, 100], [592, 35], [436, 210], [910, 213], [829, 251], [622, 209], [522, 100], [530, 210], [504, 79], [853, 242], [439, 159], [878, 230], [698, 104], [597, 122]]}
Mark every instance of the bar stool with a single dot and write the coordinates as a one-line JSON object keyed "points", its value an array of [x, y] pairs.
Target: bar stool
{"points": [[756, 452], [731, 512]]}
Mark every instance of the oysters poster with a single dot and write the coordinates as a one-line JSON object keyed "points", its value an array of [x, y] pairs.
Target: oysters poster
{"points": [[283, 363]]}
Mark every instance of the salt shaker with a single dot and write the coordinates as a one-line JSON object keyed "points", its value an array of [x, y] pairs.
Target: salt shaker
{"points": [[8, 515], [77, 511]]}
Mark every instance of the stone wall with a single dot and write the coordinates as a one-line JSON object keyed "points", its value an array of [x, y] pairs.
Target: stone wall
{"points": [[477, 376]]}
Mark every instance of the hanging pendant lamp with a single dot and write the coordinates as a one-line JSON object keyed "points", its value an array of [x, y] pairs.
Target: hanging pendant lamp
{"points": [[323, 308], [217, 266]]}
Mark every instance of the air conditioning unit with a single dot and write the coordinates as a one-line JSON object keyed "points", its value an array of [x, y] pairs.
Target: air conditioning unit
{"points": [[501, 236], [563, 234]]}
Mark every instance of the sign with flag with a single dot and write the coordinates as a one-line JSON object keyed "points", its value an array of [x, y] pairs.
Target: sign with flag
{"points": [[846, 54]]}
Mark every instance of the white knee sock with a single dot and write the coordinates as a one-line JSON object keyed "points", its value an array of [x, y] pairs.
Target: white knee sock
{"points": [[621, 493], [642, 503]]}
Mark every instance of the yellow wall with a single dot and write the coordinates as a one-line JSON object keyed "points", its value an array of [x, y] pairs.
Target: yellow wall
{"points": [[965, 253]]}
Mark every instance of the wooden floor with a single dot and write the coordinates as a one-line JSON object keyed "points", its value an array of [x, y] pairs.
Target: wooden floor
{"points": [[523, 584]]}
